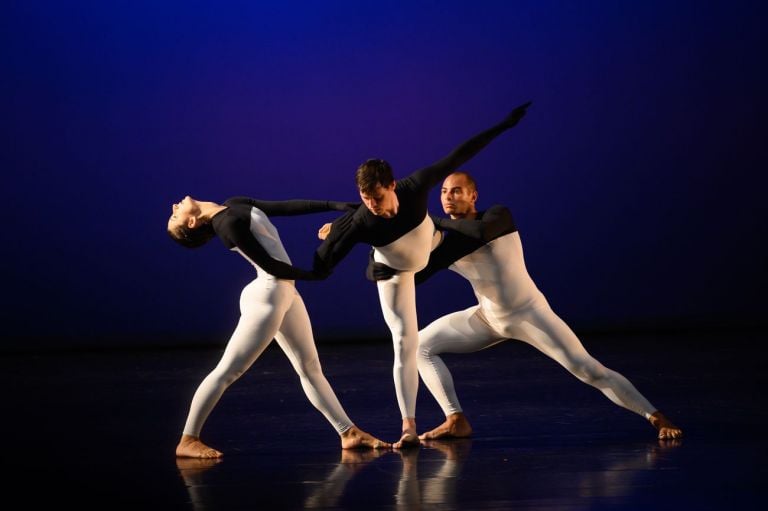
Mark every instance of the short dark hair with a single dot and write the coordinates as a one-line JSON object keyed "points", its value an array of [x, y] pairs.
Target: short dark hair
{"points": [[192, 238], [372, 173], [469, 179]]}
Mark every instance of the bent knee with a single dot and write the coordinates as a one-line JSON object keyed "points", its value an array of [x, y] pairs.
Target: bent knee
{"points": [[426, 348], [424, 356]]}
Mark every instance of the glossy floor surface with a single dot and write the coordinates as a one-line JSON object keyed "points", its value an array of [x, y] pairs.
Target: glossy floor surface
{"points": [[98, 430]]}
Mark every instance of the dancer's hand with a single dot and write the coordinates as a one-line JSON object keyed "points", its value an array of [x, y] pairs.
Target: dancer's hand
{"points": [[515, 115], [324, 231]]}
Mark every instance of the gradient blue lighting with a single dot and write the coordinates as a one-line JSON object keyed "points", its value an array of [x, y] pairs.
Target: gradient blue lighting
{"points": [[636, 179]]}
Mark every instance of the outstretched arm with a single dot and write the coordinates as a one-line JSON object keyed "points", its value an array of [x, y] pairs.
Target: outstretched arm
{"points": [[472, 234], [299, 206], [496, 221], [247, 245], [375, 271], [435, 173]]}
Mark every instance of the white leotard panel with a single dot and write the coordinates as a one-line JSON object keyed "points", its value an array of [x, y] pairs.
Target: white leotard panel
{"points": [[499, 278], [410, 252], [266, 234]]}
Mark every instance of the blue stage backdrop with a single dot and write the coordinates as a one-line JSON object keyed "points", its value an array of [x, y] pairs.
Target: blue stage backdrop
{"points": [[637, 178]]}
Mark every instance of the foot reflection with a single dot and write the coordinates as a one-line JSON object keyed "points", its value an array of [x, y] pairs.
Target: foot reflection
{"points": [[408, 495], [192, 471], [435, 476], [329, 493], [437, 483], [620, 475], [421, 476]]}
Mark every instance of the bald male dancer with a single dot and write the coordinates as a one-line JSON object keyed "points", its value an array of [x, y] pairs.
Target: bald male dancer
{"points": [[393, 219], [485, 248]]}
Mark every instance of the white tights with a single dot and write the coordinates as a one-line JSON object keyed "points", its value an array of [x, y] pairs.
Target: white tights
{"points": [[467, 331], [398, 304], [269, 309]]}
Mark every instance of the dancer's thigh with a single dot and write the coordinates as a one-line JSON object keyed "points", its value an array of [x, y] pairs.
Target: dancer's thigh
{"points": [[458, 332], [262, 307]]}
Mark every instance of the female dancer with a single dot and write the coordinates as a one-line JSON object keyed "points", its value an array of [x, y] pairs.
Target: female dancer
{"points": [[270, 307]]}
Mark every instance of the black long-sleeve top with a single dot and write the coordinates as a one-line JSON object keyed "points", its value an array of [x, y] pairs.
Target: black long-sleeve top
{"points": [[464, 236], [244, 226], [362, 226]]}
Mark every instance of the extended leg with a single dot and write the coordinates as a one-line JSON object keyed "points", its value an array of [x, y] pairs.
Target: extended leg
{"points": [[262, 305], [296, 340], [543, 329]]}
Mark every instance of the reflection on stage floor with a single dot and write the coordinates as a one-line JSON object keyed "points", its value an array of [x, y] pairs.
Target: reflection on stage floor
{"points": [[98, 429]]}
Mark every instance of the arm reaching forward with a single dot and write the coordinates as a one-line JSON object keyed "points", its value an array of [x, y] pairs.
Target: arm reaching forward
{"points": [[496, 221], [298, 206]]}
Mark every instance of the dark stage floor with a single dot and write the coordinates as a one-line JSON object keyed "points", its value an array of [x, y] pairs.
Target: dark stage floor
{"points": [[98, 430]]}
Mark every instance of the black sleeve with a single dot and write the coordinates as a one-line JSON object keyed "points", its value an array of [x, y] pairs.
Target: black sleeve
{"points": [[435, 173], [427, 272], [342, 238], [378, 271], [369, 269], [241, 237], [495, 222], [297, 206]]}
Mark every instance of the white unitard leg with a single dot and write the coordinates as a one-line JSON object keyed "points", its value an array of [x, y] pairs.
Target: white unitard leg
{"points": [[398, 304], [295, 338], [459, 332], [544, 330], [263, 303]]}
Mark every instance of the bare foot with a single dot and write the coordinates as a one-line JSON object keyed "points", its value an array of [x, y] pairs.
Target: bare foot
{"points": [[409, 437], [192, 447], [408, 440], [456, 425], [356, 438], [666, 429]]}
